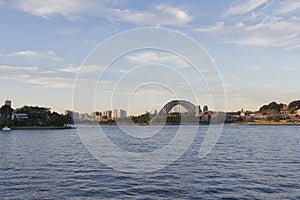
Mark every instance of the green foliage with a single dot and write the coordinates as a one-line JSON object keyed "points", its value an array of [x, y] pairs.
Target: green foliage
{"points": [[6, 112], [41, 116], [294, 104], [271, 106], [141, 119]]}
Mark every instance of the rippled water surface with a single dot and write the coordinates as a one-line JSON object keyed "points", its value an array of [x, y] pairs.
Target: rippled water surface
{"points": [[248, 162]]}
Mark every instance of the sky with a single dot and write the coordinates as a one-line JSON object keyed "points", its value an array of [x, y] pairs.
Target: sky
{"points": [[254, 46]]}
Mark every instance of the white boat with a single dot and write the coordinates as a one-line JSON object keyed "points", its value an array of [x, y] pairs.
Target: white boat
{"points": [[6, 128]]}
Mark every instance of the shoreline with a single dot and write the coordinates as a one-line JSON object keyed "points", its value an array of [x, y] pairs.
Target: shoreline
{"points": [[265, 124], [41, 127], [185, 124], [188, 124]]}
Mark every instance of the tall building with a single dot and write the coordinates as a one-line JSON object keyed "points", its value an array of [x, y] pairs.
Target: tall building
{"points": [[115, 114], [95, 116], [198, 111], [123, 114], [75, 115], [107, 114], [205, 108]]}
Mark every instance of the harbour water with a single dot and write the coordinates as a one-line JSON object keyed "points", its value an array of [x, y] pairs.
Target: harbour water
{"points": [[248, 162]]}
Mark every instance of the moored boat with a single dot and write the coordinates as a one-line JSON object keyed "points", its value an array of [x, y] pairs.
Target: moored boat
{"points": [[6, 128]]}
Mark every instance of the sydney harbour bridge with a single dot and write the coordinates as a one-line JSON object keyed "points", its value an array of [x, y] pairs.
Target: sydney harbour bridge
{"points": [[190, 107]]}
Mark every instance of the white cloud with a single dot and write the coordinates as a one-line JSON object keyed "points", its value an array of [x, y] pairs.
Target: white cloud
{"points": [[174, 15], [274, 32], [87, 69], [244, 7], [253, 68], [68, 8], [288, 6], [50, 55], [161, 15], [265, 25], [4, 70], [69, 31], [35, 76], [75, 9], [269, 34], [289, 68], [149, 57], [41, 77], [216, 27]]}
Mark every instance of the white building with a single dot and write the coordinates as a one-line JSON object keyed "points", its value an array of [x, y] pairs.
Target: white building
{"points": [[19, 116]]}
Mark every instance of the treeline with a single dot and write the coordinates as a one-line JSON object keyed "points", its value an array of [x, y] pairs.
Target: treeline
{"points": [[274, 107], [37, 116]]}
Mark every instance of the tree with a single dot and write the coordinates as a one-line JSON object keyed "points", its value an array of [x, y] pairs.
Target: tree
{"points": [[271, 107], [294, 104], [6, 112], [42, 116]]}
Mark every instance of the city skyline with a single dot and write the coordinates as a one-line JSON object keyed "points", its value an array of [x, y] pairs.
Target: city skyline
{"points": [[254, 44]]}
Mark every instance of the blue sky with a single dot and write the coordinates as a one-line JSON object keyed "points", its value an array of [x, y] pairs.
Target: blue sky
{"points": [[254, 43]]}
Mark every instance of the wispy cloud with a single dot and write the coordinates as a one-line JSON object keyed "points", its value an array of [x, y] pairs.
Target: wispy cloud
{"points": [[36, 76], [288, 7], [86, 69], [244, 7], [149, 57], [67, 8], [253, 68], [274, 32], [174, 15], [5, 70], [76, 9], [213, 28], [261, 23], [50, 55], [69, 30]]}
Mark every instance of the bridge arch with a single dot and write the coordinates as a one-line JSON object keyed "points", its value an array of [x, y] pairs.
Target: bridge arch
{"points": [[186, 104]]}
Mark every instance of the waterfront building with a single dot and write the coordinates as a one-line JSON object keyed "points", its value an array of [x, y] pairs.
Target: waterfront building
{"points": [[197, 111], [107, 114], [115, 114], [19, 116], [205, 108], [242, 114], [123, 113]]}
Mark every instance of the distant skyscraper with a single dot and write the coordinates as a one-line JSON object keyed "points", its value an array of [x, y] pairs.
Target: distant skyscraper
{"points": [[198, 111], [115, 114], [205, 108], [123, 114], [107, 114]]}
